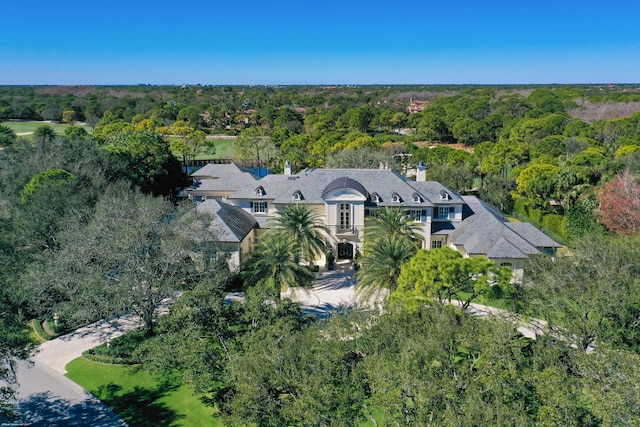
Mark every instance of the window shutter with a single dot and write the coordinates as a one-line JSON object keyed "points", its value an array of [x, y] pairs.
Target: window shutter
{"points": [[251, 205]]}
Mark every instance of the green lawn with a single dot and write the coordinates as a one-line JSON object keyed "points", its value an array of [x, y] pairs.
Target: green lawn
{"points": [[22, 127], [140, 399], [223, 149]]}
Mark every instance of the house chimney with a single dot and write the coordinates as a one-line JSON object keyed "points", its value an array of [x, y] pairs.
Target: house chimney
{"points": [[421, 172], [287, 168]]}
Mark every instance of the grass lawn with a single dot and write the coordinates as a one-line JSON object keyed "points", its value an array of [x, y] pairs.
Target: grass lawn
{"points": [[140, 399], [223, 149], [22, 127]]}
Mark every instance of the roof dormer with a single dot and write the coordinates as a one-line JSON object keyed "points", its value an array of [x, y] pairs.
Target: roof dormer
{"points": [[395, 198], [375, 197], [444, 195], [297, 196], [417, 198], [259, 191]]}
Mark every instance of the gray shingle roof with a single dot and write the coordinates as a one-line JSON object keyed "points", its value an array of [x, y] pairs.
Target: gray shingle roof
{"points": [[313, 183], [345, 182], [533, 235], [231, 223], [432, 190], [485, 231], [220, 170]]}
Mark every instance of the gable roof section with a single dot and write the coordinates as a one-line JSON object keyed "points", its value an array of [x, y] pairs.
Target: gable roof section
{"points": [[231, 223], [484, 231]]}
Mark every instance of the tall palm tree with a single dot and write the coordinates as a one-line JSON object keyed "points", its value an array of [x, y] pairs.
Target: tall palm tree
{"points": [[381, 263], [392, 222], [275, 263], [305, 227]]}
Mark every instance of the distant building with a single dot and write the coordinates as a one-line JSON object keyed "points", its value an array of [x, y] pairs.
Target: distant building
{"points": [[415, 106]]}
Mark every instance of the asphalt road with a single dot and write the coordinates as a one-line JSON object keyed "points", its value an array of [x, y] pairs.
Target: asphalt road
{"points": [[47, 398]]}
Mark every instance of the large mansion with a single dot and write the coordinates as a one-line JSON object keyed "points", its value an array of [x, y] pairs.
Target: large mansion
{"points": [[346, 199]]}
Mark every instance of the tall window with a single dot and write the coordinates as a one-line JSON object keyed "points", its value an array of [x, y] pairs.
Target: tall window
{"points": [[259, 207], [436, 244], [415, 215], [445, 212], [344, 211]]}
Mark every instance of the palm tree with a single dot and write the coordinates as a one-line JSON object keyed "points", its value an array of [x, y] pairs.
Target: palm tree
{"points": [[7, 136], [275, 263], [305, 227], [381, 263], [45, 133], [393, 222]]}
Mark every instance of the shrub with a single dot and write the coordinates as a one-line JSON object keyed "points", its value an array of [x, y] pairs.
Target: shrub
{"points": [[554, 223], [535, 215], [119, 350]]}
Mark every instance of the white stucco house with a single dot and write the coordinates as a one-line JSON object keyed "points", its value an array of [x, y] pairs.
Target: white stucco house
{"points": [[346, 198]]}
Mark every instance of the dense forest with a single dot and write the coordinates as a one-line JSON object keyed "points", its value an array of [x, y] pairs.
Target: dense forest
{"points": [[91, 226]]}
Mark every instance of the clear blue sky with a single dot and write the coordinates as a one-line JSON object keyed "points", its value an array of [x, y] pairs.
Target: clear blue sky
{"points": [[312, 42]]}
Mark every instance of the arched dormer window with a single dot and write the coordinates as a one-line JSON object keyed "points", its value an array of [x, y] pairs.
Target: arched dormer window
{"points": [[259, 191], [395, 198], [444, 195], [376, 198], [297, 196], [416, 198]]}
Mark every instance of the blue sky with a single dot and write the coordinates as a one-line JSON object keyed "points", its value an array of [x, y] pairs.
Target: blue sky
{"points": [[311, 42]]}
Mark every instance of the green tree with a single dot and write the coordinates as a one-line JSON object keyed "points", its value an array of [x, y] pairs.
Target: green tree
{"points": [[14, 344], [147, 156], [197, 336], [253, 145], [285, 375], [191, 140], [75, 132], [7, 136], [590, 297], [380, 264], [134, 252], [444, 275], [537, 183], [305, 227], [275, 264], [392, 221], [45, 132]]}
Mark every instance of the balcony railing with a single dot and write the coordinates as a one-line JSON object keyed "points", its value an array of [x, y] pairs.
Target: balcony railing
{"points": [[338, 230]]}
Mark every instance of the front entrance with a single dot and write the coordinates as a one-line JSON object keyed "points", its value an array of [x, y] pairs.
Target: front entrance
{"points": [[345, 251]]}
